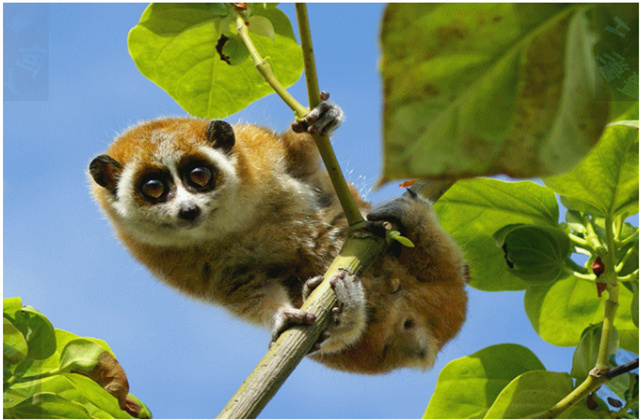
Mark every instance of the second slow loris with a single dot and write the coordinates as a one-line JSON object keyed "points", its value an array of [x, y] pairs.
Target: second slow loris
{"points": [[242, 217]]}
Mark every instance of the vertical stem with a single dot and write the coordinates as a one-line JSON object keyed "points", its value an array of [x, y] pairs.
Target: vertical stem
{"points": [[313, 90], [349, 206], [611, 305], [597, 376]]}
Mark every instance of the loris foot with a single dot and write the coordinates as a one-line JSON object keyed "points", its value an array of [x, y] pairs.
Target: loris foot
{"points": [[348, 317], [324, 119], [285, 317]]}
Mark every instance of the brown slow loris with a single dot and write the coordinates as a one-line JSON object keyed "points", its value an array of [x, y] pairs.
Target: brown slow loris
{"points": [[242, 217]]}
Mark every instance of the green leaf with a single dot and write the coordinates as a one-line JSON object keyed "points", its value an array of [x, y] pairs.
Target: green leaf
{"points": [[234, 51], [14, 345], [260, 25], [634, 304], [80, 355], [38, 332], [530, 395], [11, 305], [473, 210], [90, 359], [468, 386], [560, 311], [394, 235], [586, 354], [606, 181], [174, 45], [576, 221], [493, 88], [536, 254], [47, 405]]}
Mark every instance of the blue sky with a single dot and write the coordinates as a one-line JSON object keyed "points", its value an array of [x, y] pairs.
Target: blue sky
{"points": [[183, 358]]}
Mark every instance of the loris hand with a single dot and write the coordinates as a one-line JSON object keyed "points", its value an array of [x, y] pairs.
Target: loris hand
{"points": [[324, 119], [348, 317]]}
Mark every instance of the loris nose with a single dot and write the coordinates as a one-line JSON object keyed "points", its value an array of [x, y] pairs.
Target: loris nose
{"points": [[189, 213]]}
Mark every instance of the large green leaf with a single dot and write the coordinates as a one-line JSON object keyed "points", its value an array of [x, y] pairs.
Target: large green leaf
{"points": [[468, 386], [174, 45], [560, 311], [530, 395], [536, 254], [473, 210], [606, 181], [477, 89]]}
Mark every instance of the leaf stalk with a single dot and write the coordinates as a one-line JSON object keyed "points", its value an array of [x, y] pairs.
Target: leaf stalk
{"points": [[264, 68]]}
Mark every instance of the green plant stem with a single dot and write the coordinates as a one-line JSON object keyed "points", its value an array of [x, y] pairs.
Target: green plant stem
{"points": [[313, 89], [593, 240], [581, 242], [358, 252], [598, 374], [573, 267], [611, 305], [585, 388], [624, 260], [264, 68], [630, 277], [341, 187], [630, 238]]}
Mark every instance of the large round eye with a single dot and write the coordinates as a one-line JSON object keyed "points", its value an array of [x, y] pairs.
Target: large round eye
{"points": [[153, 189], [200, 176]]}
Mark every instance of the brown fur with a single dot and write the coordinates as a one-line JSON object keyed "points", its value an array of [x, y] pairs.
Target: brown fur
{"points": [[415, 302]]}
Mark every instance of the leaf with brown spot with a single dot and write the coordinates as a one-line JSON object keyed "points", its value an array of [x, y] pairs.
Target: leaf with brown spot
{"points": [[481, 89], [87, 358]]}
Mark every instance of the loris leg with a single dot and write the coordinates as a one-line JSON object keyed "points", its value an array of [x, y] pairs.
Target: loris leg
{"points": [[348, 317]]}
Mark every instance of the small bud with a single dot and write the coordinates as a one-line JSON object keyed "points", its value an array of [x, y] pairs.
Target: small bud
{"points": [[597, 267], [601, 288], [614, 403]]}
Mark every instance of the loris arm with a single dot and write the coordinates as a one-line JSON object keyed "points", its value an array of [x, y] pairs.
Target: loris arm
{"points": [[302, 154]]}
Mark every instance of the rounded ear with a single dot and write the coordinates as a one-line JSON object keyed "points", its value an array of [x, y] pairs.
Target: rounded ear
{"points": [[105, 171], [220, 135]]}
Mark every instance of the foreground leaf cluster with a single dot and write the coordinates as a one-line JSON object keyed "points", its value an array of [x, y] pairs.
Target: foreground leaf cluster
{"points": [[51, 373], [514, 240]]}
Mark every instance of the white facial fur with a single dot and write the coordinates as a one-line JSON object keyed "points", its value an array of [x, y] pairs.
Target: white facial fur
{"points": [[160, 223]]}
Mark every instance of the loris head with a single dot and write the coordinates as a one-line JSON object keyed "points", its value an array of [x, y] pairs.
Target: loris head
{"points": [[170, 181]]}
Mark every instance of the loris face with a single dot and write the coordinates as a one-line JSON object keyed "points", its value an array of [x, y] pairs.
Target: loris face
{"points": [[170, 181]]}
